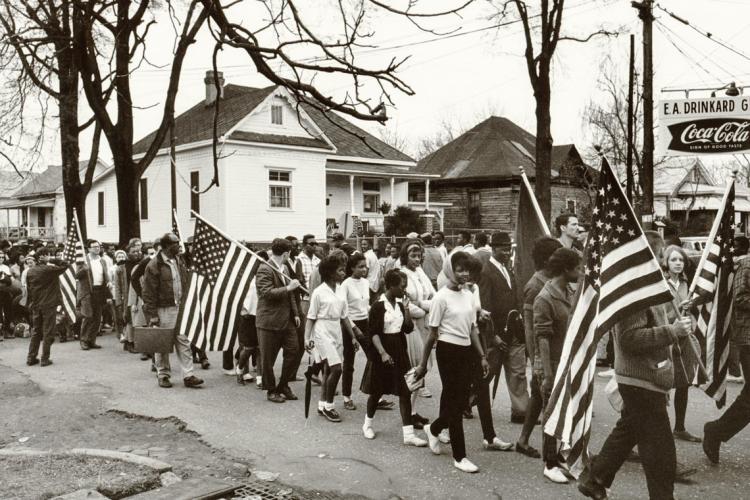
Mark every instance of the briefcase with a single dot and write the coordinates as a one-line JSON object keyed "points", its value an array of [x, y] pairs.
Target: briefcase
{"points": [[154, 339]]}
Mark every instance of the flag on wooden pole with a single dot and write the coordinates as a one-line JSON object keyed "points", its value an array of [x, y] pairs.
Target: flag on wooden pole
{"points": [[621, 277], [530, 226], [74, 255], [713, 282], [220, 278]]}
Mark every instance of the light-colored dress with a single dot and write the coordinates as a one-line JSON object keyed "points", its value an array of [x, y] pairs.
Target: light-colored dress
{"points": [[420, 291], [327, 309]]}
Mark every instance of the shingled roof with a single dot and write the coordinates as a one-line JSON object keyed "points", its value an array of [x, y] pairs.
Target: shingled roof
{"points": [[196, 125], [494, 148]]}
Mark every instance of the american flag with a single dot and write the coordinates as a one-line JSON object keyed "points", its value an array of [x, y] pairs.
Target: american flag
{"points": [[621, 277], [73, 254], [176, 230], [219, 280], [714, 278]]}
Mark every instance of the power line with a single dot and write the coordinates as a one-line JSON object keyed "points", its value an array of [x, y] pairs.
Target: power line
{"points": [[702, 32]]}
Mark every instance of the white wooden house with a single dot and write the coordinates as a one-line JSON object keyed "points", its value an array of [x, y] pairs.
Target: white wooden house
{"points": [[281, 171]]}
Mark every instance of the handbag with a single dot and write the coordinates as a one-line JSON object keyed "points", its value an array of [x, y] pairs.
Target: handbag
{"points": [[412, 382]]}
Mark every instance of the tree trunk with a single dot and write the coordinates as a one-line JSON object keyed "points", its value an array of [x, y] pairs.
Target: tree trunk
{"points": [[73, 191], [128, 205], [542, 188]]}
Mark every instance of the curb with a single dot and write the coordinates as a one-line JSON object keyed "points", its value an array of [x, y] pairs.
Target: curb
{"points": [[151, 463]]}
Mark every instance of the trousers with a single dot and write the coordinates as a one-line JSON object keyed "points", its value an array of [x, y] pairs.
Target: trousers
{"points": [[454, 366], [644, 421], [514, 364], [90, 324], [737, 416], [271, 342], [43, 332], [168, 319]]}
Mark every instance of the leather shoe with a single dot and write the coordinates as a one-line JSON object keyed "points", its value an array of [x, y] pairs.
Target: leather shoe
{"points": [[529, 451], [588, 486], [517, 419], [192, 381], [94, 345], [46, 362], [275, 398], [686, 436], [32, 361], [288, 394], [165, 383], [205, 364], [84, 346], [711, 444]]}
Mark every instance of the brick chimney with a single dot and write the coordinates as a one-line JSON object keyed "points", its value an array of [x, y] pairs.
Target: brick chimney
{"points": [[211, 88]]}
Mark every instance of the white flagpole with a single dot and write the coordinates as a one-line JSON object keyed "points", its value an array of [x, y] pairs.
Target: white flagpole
{"points": [[283, 276], [534, 202], [85, 252]]}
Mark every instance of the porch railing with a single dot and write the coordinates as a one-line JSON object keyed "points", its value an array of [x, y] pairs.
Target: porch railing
{"points": [[20, 233]]}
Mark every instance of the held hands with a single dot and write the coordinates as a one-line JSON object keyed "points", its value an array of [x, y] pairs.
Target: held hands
{"points": [[293, 285], [387, 359], [684, 326]]}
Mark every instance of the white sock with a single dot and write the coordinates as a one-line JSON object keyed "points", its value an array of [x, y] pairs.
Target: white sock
{"points": [[329, 406], [408, 431], [347, 398], [321, 405], [368, 423]]}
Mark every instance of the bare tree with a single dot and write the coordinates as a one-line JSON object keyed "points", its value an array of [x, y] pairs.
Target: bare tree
{"points": [[394, 138], [538, 56], [38, 38]]}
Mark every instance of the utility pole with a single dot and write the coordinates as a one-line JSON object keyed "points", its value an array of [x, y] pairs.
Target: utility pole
{"points": [[645, 13], [629, 149], [172, 164]]}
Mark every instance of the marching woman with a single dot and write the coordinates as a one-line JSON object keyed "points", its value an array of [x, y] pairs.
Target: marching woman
{"points": [[420, 291], [685, 363], [356, 291], [453, 326], [323, 337], [390, 323]]}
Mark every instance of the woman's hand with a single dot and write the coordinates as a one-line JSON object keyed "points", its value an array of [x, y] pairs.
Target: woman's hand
{"points": [[386, 359], [309, 345], [420, 372], [405, 301], [484, 315], [485, 367]]}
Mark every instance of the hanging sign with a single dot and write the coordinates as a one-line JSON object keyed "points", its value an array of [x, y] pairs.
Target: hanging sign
{"points": [[712, 125]]}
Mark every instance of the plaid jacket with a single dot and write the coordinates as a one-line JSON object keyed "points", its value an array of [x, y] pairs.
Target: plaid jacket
{"points": [[741, 308]]}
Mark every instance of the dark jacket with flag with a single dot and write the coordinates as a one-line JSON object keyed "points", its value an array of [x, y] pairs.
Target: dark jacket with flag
{"points": [[44, 290]]}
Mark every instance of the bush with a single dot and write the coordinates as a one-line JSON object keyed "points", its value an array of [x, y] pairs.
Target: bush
{"points": [[403, 221], [385, 208]]}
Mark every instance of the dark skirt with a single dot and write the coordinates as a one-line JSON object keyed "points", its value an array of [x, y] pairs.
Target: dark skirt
{"points": [[380, 379]]}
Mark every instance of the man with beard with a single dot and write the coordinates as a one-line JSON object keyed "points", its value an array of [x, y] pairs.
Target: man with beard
{"points": [[498, 294]]}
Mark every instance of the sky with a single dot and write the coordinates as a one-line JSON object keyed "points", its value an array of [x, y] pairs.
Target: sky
{"points": [[465, 78]]}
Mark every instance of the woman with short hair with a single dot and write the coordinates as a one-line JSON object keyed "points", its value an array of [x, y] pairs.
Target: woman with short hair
{"points": [[453, 327]]}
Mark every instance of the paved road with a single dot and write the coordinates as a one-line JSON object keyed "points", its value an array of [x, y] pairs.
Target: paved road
{"points": [[325, 456]]}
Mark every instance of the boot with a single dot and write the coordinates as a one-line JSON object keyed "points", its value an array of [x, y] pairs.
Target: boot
{"points": [[412, 440]]}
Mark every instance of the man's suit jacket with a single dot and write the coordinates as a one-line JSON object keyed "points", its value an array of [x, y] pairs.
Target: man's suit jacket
{"points": [[497, 297], [83, 289], [277, 306]]}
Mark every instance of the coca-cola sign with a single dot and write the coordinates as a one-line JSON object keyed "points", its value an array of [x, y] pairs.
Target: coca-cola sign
{"points": [[713, 135], [704, 126]]}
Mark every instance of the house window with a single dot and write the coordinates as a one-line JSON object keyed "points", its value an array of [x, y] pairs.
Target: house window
{"points": [[279, 189], [474, 211], [100, 207], [277, 114], [195, 200], [570, 205], [143, 190], [370, 197]]}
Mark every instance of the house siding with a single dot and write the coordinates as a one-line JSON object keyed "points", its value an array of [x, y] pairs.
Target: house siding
{"points": [[260, 120], [498, 203]]}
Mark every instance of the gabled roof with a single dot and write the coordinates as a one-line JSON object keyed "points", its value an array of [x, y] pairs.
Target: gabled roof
{"points": [[494, 148], [47, 181], [9, 182], [672, 173], [196, 125]]}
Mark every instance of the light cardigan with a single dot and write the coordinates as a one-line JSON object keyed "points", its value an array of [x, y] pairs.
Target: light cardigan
{"points": [[420, 291]]}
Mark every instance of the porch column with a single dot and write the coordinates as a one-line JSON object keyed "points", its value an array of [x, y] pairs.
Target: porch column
{"points": [[28, 222], [427, 195], [351, 194], [393, 193]]}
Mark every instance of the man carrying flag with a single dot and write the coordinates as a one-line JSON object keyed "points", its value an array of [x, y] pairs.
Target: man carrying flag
{"points": [[623, 289]]}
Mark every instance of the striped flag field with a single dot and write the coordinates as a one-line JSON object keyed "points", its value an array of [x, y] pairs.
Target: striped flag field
{"points": [[714, 281], [73, 255], [621, 277], [220, 278]]}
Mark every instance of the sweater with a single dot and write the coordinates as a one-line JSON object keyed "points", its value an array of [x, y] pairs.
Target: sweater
{"points": [[643, 353]]}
